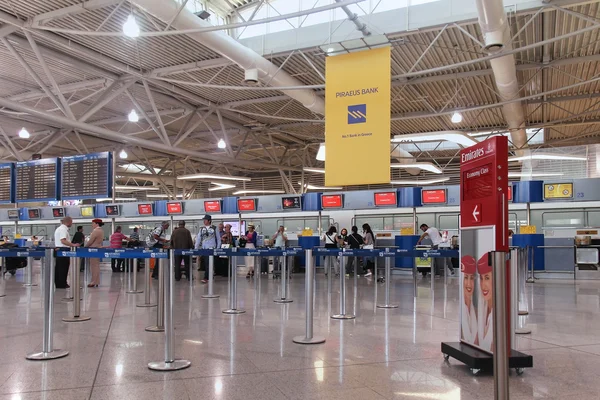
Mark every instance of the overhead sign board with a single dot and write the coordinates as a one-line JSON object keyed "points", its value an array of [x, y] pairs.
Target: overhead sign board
{"points": [[246, 205], [38, 180], [558, 191], [174, 208], [383, 199], [145, 209], [357, 105], [212, 206], [434, 196], [332, 201]]}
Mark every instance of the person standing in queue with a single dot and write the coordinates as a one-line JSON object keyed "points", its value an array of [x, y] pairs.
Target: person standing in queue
{"points": [[207, 238], [116, 242], [61, 239], [79, 238], [182, 239], [368, 243], [95, 241], [221, 262], [251, 237], [355, 241], [331, 242], [436, 240], [157, 239], [279, 241]]}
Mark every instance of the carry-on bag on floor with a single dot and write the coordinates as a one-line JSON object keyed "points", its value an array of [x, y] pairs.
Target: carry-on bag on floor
{"points": [[13, 263]]}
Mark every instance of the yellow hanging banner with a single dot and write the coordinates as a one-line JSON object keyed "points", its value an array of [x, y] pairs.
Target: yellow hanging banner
{"points": [[357, 118]]}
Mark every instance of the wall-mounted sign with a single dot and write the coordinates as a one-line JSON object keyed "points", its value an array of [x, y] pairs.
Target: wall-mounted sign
{"points": [[58, 212], [174, 208], [34, 213], [436, 196], [385, 199], [145, 209], [37, 180], [212, 206], [13, 214], [332, 201], [527, 229], [291, 203], [87, 211], [558, 191], [509, 192], [246, 205], [112, 210]]}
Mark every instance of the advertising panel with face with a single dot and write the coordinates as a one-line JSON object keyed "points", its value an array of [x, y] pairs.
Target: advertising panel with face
{"points": [[476, 304]]}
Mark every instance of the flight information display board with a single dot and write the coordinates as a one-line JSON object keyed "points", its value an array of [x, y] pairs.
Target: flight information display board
{"points": [[87, 176], [37, 180], [7, 183]]}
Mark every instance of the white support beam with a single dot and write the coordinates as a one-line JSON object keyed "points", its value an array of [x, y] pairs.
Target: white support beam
{"points": [[190, 67], [82, 7], [123, 118], [106, 98], [165, 136], [71, 87]]}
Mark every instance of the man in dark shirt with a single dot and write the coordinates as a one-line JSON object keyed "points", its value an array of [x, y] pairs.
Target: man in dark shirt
{"points": [[181, 238], [354, 241], [79, 238]]}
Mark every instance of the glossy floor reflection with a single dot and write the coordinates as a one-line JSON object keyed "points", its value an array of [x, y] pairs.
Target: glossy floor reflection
{"points": [[382, 354]]}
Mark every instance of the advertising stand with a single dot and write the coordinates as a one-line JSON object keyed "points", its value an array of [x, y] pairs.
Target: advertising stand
{"points": [[484, 229]]}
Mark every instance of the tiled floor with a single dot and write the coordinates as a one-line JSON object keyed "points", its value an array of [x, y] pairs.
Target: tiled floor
{"points": [[382, 354]]}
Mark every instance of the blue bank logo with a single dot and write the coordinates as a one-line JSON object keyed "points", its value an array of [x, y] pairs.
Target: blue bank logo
{"points": [[357, 114]]}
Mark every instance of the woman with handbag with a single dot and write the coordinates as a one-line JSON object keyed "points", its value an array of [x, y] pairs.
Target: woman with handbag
{"points": [[369, 243], [331, 242]]}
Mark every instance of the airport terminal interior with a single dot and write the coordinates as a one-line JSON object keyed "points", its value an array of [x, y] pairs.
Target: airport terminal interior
{"points": [[299, 199]]}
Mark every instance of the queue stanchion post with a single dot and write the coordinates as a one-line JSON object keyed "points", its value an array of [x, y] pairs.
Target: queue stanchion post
{"points": [[530, 277], [86, 271], [211, 279], [48, 351], [522, 308], [170, 363], [134, 289], [2, 281], [29, 273], [160, 310], [415, 272], [73, 285], [500, 343], [284, 281], [355, 284], [388, 278], [76, 291], [190, 271], [147, 286], [514, 293], [342, 314], [309, 337], [233, 289]]}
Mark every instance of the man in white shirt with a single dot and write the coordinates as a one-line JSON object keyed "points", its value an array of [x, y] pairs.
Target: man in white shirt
{"points": [[61, 239], [436, 240]]}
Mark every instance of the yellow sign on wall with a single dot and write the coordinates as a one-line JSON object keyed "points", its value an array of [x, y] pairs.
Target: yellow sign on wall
{"points": [[558, 191], [407, 231], [357, 118], [527, 229]]}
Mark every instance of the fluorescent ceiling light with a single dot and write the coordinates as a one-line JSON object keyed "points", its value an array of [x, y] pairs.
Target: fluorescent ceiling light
{"points": [[313, 187], [542, 156], [533, 174], [456, 118], [220, 186], [123, 154], [213, 176], [420, 182], [116, 199], [321, 152], [130, 27], [131, 188], [221, 144], [316, 170], [425, 166], [133, 117], [259, 191], [162, 196], [450, 136], [24, 133]]}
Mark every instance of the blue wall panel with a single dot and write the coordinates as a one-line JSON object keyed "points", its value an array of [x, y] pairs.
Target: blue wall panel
{"points": [[409, 197], [528, 192]]}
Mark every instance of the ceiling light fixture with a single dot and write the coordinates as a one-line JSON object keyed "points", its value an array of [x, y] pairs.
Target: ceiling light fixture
{"points": [[133, 116], [116, 199], [162, 196], [130, 27], [450, 136], [425, 166], [456, 118], [321, 152], [221, 144], [533, 174], [258, 191], [541, 156], [214, 176], [24, 133], [131, 188], [123, 154], [315, 187], [220, 186], [420, 182], [315, 170]]}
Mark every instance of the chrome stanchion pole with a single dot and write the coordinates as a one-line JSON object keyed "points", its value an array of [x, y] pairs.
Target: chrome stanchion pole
{"points": [[355, 285], [29, 273], [147, 283], [3, 272], [284, 282], [388, 278], [190, 273], [529, 252], [170, 363], [76, 290], [86, 272], [211, 278], [70, 296], [498, 260], [514, 293], [48, 352], [233, 289], [342, 314], [522, 308], [308, 338], [432, 266], [134, 290], [415, 272], [160, 312]]}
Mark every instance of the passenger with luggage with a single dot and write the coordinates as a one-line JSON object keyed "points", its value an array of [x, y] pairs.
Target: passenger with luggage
{"points": [[221, 263], [207, 238], [182, 239], [116, 242], [157, 239]]}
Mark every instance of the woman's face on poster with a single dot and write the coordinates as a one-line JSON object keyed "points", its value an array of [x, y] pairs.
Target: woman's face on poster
{"points": [[485, 284]]}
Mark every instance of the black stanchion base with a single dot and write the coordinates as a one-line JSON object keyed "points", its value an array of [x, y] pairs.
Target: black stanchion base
{"points": [[305, 340], [169, 366], [51, 355], [155, 329], [81, 318], [146, 305], [479, 360]]}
